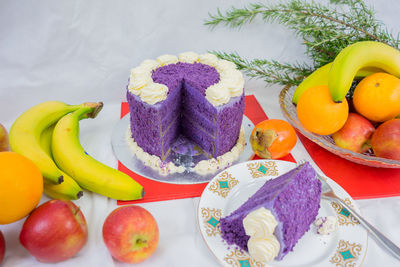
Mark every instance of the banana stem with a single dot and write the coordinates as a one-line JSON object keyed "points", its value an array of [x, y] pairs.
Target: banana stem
{"points": [[96, 107]]}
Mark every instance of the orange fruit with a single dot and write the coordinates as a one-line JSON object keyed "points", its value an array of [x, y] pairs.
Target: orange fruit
{"points": [[21, 186], [273, 139], [318, 113], [377, 97]]}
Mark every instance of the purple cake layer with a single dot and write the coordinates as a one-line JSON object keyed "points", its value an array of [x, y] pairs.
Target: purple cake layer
{"points": [[185, 111], [221, 122], [294, 200]]}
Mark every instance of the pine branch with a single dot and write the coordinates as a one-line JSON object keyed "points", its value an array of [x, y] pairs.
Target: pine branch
{"points": [[272, 71], [325, 30]]}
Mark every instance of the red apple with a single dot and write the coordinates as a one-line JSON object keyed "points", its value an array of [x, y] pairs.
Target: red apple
{"points": [[3, 139], [55, 231], [355, 134], [386, 140], [2, 247], [130, 234]]}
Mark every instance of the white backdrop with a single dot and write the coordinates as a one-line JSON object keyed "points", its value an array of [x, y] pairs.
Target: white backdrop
{"points": [[77, 51]]}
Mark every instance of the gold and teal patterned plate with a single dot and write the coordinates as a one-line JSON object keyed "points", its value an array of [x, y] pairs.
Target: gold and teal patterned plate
{"points": [[232, 187]]}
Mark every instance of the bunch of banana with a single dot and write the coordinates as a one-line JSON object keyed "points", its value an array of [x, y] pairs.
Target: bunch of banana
{"points": [[353, 62], [48, 134]]}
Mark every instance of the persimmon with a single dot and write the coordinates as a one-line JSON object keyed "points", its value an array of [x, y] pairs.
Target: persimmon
{"points": [[273, 139], [318, 113], [377, 97]]}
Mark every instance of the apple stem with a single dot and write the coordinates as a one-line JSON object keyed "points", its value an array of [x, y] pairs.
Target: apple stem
{"points": [[141, 241], [77, 211]]}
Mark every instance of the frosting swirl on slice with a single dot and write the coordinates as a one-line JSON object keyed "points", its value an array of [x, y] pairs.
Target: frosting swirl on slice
{"points": [[259, 223], [263, 249]]}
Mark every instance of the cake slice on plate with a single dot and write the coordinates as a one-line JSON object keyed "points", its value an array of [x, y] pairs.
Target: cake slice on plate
{"points": [[269, 224]]}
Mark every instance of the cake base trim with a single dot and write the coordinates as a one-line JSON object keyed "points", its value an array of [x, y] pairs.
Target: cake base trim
{"points": [[203, 167]]}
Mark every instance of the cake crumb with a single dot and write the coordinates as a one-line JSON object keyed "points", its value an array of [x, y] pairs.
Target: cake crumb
{"points": [[326, 225]]}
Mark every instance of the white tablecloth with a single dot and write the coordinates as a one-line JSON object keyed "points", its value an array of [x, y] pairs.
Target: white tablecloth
{"points": [[77, 51]]}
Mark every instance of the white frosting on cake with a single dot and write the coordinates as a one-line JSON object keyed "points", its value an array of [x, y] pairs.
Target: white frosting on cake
{"points": [[167, 59], [223, 161], [209, 59], [218, 94], [202, 167], [149, 64], [231, 81], [234, 81], [139, 78], [153, 93], [225, 65], [188, 57], [260, 225]]}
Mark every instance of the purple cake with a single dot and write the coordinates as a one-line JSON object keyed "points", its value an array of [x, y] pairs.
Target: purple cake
{"points": [[185, 109], [293, 199]]}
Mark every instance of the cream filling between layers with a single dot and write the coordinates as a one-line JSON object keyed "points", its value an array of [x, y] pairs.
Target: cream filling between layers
{"points": [[260, 225], [202, 167], [230, 85]]}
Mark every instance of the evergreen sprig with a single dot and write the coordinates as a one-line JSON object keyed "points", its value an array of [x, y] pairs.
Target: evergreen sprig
{"points": [[324, 28]]}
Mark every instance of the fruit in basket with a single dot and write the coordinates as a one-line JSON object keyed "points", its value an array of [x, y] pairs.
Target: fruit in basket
{"points": [[88, 172], [386, 140], [21, 186], [55, 231], [355, 134], [4, 146], [358, 56], [2, 246], [273, 139], [318, 113], [25, 134], [130, 234], [377, 97], [321, 77]]}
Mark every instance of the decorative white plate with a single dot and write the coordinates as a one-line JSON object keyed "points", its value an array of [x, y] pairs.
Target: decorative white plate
{"points": [[233, 186], [126, 156]]}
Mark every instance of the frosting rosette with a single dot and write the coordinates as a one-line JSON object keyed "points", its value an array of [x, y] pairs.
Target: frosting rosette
{"points": [[230, 84], [260, 225], [217, 94], [153, 93]]}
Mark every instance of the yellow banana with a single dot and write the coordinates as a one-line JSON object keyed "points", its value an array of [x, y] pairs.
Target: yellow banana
{"points": [[321, 77], [88, 172], [68, 189], [24, 136], [357, 56]]}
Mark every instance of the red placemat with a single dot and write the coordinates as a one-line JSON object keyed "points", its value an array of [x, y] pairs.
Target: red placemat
{"points": [[360, 181], [158, 191]]}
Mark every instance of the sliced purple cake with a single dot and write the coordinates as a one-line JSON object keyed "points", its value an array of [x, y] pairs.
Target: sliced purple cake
{"points": [[197, 96], [276, 216]]}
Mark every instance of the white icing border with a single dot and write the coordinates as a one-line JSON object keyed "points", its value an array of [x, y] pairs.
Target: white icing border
{"points": [[203, 167], [231, 81]]}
